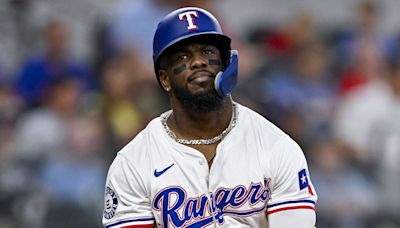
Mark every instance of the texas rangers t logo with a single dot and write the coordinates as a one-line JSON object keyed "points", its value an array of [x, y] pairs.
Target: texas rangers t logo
{"points": [[190, 20]]}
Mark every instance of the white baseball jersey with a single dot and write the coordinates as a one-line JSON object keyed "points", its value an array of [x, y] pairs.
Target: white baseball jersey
{"points": [[258, 170]]}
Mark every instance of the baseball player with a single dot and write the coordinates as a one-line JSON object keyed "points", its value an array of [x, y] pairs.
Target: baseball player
{"points": [[209, 161]]}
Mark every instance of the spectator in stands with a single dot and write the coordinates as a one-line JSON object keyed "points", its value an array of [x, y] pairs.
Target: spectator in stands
{"points": [[40, 70], [41, 132], [122, 115], [365, 94], [73, 180], [356, 115], [284, 39], [301, 98], [384, 147], [60, 145], [363, 47], [346, 194]]}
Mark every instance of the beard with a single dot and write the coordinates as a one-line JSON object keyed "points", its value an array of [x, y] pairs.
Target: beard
{"points": [[201, 102]]}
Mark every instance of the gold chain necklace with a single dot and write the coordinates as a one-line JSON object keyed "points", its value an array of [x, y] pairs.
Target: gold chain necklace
{"points": [[164, 118]]}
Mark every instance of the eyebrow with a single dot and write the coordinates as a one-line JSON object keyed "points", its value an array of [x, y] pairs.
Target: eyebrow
{"points": [[184, 48]]}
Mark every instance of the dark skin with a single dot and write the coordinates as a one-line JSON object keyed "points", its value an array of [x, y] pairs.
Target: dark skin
{"points": [[194, 67]]}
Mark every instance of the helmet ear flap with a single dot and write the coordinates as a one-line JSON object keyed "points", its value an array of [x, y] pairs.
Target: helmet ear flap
{"points": [[225, 81], [225, 57]]}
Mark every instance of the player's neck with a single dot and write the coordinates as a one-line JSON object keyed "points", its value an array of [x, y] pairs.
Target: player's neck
{"points": [[191, 125]]}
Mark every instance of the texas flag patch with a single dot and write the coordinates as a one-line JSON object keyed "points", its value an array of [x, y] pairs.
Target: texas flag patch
{"points": [[303, 179]]}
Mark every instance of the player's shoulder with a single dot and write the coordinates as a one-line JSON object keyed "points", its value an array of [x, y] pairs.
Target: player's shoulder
{"points": [[259, 125], [273, 142], [140, 146]]}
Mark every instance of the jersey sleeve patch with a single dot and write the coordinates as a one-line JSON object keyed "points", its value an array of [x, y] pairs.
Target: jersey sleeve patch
{"points": [[303, 179], [111, 203]]}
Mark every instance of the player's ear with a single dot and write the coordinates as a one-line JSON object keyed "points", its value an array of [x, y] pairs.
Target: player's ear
{"points": [[164, 79]]}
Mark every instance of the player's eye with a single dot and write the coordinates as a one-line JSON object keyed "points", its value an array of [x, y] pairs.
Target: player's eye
{"points": [[208, 52], [181, 57]]}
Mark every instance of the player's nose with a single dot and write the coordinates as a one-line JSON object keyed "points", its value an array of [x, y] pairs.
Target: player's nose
{"points": [[198, 61]]}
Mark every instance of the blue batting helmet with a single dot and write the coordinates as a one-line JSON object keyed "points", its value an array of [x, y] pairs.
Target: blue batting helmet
{"points": [[184, 23]]}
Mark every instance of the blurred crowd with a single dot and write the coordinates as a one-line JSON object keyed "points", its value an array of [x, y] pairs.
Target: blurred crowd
{"points": [[335, 91]]}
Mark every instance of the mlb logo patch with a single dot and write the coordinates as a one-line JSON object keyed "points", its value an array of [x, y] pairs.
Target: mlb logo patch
{"points": [[111, 203], [303, 179]]}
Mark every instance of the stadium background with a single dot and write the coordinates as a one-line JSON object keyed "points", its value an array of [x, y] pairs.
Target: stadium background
{"points": [[76, 84]]}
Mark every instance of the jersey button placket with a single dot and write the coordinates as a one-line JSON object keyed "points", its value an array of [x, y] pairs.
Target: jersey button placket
{"points": [[203, 174], [202, 162]]}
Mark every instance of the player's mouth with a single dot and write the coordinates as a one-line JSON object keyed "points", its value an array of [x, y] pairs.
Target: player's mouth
{"points": [[200, 77]]}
